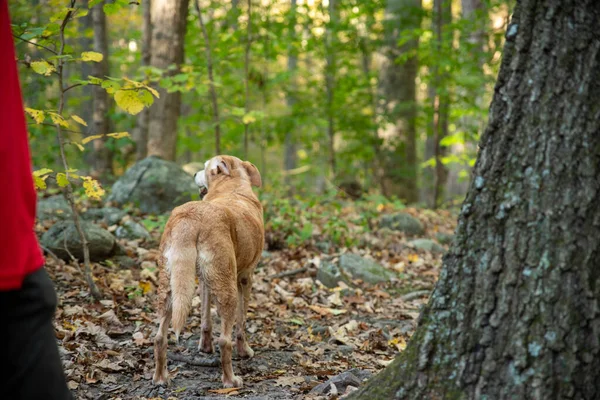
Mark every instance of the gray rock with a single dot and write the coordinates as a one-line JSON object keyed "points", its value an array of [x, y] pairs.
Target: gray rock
{"points": [[54, 207], [132, 230], [402, 222], [444, 238], [329, 274], [324, 247], [100, 242], [341, 382], [109, 215], [427, 245], [124, 262], [363, 268], [154, 186]]}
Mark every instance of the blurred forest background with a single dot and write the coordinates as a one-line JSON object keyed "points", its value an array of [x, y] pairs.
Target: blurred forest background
{"points": [[367, 96]]}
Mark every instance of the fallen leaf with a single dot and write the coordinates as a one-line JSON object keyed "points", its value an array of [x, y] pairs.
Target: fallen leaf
{"points": [[224, 390], [289, 381]]}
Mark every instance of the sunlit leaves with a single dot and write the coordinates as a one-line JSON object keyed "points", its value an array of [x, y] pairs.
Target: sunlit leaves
{"points": [[42, 67], [39, 177], [133, 101], [114, 135], [111, 86], [118, 135], [79, 120], [91, 56], [58, 119], [37, 115], [61, 179], [92, 188]]}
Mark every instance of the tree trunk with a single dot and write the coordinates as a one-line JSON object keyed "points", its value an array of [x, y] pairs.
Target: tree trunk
{"points": [[86, 25], [102, 159], [398, 94], [169, 19], [290, 160], [514, 314], [439, 95], [140, 133], [330, 72]]}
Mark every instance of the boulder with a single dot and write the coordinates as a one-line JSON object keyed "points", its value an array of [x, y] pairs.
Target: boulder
{"points": [[402, 222], [100, 242], [366, 269], [54, 207], [154, 186], [354, 378], [427, 245], [444, 238], [132, 230], [352, 266], [109, 215]]}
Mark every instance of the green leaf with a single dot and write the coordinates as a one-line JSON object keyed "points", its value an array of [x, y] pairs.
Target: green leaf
{"points": [[111, 9], [111, 86], [37, 115], [91, 56], [92, 3], [61, 179], [133, 101], [39, 182], [41, 172], [248, 119], [79, 120], [92, 188], [42, 67]]}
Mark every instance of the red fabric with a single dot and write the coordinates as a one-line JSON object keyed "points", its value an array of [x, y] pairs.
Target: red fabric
{"points": [[19, 250]]}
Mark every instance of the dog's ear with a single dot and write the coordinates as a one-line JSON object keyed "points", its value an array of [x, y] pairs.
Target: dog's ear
{"points": [[222, 168], [253, 173]]}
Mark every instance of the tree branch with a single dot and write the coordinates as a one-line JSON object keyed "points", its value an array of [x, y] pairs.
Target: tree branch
{"points": [[35, 44]]}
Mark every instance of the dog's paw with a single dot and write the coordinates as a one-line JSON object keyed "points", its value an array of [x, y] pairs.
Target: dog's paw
{"points": [[244, 350], [235, 382], [161, 379]]}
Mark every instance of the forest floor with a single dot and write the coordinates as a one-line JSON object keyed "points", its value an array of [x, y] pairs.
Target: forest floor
{"points": [[302, 332]]}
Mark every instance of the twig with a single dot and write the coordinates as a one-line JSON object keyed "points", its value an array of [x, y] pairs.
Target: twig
{"points": [[288, 273], [35, 44], [52, 255], [415, 295], [68, 192], [198, 361], [211, 80]]}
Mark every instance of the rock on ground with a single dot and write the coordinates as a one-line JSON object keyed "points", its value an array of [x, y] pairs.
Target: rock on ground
{"points": [[132, 230], [427, 245], [109, 215], [354, 377], [154, 186], [53, 207], [100, 242], [402, 222], [352, 266]]}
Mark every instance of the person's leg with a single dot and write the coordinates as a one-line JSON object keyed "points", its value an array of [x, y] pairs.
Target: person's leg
{"points": [[29, 351]]}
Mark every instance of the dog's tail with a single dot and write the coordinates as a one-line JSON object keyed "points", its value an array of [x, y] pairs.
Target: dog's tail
{"points": [[181, 262]]}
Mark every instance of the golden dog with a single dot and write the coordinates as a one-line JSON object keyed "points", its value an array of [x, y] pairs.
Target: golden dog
{"points": [[221, 239]]}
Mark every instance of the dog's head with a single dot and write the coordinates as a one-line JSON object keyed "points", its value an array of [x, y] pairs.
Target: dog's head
{"points": [[227, 167]]}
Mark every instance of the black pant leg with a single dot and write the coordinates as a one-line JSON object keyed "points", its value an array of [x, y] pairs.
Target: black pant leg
{"points": [[29, 356]]}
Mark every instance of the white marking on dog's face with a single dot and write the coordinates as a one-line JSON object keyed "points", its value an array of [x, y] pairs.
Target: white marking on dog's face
{"points": [[200, 178]]}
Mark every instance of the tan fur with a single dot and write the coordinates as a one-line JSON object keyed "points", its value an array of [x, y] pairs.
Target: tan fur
{"points": [[221, 238]]}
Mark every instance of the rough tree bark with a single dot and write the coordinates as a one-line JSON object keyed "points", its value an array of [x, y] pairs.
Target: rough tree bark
{"points": [[397, 89], [515, 312], [103, 156], [140, 133], [169, 19]]}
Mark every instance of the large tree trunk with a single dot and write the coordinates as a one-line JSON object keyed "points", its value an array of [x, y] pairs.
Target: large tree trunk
{"points": [[140, 133], [169, 19], [515, 311], [102, 158], [398, 92]]}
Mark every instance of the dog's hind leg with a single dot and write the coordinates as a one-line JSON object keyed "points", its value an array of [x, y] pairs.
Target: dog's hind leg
{"points": [[244, 288], [206, 340], [161, 374]]}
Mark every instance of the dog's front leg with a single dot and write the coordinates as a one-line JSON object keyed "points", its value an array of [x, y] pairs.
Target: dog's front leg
{"points": [[244, 288], [206, 340]]}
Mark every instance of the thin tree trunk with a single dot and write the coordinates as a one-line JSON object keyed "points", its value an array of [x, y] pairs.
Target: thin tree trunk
{"points": [[211, 80], [265, 95], [86, 24], [290, 159], [330, 72], [247, 78], [102, 159], [169, 20], [140, 133], [397, 86], [514, 314]]}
